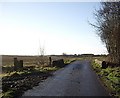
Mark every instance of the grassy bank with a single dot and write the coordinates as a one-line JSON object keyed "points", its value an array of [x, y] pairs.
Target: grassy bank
{"points": [[110, 77]]}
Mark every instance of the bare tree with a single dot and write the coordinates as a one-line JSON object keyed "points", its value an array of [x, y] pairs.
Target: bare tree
{"points": [[108, 28], [41, 55]]}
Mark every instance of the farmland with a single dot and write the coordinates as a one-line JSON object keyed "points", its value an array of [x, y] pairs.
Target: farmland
{"points": [[14, 83]]}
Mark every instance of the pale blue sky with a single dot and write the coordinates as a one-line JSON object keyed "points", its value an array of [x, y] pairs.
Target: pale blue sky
{"points": [[60, 27]]}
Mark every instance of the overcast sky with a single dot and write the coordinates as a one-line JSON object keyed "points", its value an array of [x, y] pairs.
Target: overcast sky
{"points": [[59, 27]]}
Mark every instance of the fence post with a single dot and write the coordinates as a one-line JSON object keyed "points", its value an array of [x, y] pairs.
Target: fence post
{"points": [[15, 64], [21, 64], [50, 61]]}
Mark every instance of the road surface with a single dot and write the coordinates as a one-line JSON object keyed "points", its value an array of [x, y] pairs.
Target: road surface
{"points": [[76, 79]]}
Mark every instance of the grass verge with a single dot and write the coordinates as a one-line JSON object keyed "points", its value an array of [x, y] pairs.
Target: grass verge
{"points": [[110, 77]]}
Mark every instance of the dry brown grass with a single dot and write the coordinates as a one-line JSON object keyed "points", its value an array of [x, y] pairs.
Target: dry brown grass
{"points": [[8, 60]]}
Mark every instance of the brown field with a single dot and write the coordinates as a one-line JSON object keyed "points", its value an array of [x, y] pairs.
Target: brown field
{"points": [[37, 61], [8, 60], [33, 61]]}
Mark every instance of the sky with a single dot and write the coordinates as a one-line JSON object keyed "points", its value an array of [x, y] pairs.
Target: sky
{"points": [[58, 27]]}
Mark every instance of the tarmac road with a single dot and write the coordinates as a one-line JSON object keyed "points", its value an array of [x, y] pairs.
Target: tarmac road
{"points": [[76, 79]]}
